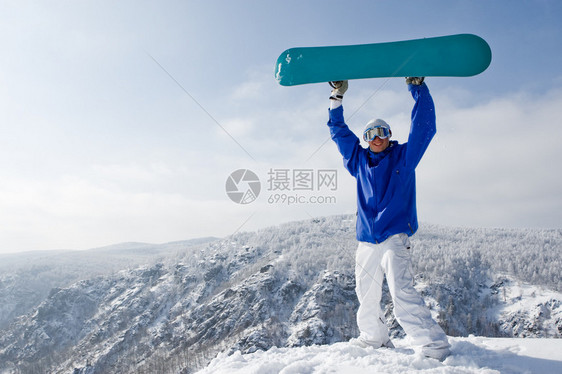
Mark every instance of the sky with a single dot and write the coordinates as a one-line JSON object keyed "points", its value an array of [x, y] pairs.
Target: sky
{"points": [[122, 121]]}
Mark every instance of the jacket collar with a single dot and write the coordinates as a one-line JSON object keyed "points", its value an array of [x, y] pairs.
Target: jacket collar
{"points": [[375, 158]]}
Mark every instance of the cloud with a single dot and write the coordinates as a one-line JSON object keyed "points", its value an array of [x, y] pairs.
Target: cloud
{"points": [[79, 213], [493, 164]]}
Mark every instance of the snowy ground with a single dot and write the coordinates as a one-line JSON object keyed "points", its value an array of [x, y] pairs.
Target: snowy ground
{"points": [[470, 355]]}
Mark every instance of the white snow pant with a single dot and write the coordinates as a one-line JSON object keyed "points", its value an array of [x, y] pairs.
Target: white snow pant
{"points": [[392, 258]]}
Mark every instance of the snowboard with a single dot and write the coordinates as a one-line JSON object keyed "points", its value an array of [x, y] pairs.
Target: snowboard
{"points": [[461, 55]]}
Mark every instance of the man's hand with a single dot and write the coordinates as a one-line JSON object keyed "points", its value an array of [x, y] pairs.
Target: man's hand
{"points": [[416, 81], [339, 88]]}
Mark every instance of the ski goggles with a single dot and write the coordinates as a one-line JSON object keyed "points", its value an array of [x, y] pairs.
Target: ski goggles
{"points": [[372, 132]]}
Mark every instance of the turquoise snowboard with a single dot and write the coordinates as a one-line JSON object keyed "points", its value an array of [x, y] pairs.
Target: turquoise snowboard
{"points": [[460, 55]]}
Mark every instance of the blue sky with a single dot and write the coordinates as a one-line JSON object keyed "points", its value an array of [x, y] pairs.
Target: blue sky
{"points": [[99, 144]]}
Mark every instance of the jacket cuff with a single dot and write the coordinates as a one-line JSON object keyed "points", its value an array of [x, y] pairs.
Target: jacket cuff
{"points": [[417, 87], [336, 114]]}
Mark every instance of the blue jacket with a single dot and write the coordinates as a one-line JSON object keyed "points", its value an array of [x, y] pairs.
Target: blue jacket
{"points": [[386, 181]]}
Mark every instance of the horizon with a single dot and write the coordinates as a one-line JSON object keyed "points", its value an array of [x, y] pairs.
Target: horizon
{"points": [[133, 244]]}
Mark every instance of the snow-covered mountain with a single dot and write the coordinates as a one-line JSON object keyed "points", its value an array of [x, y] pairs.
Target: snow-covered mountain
{"points": [[26, 279], [286, 286]]}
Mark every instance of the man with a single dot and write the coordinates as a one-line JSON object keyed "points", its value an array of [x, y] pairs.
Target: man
{"points": [[386, 217]]}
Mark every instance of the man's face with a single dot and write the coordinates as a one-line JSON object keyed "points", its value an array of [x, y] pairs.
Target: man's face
{"points": [[378, 145]]}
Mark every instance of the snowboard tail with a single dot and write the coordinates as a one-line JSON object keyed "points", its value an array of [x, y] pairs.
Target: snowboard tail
{"points": [[461, 55]]}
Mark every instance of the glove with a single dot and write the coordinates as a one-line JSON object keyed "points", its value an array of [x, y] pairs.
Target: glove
{"points": [[416, 81], [339, 88]]}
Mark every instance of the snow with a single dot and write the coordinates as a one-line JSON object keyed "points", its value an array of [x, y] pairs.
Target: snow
{"points": [[290, 287], [469, 355]]}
